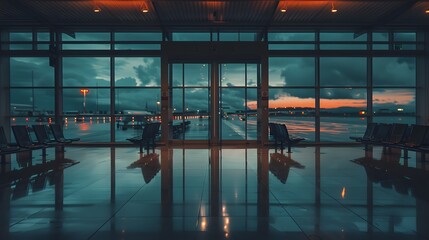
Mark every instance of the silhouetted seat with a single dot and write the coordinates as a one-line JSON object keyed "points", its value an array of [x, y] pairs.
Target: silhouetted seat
{"points": [[58, 134], [416, 136], [23, 139], [5, 147], [368, 135], [397, 134], [281, 136], [382, 133], [43, 136], [150, 131]]}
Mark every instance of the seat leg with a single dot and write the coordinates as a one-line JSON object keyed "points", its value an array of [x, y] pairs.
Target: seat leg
{"points": [[289, 148]]}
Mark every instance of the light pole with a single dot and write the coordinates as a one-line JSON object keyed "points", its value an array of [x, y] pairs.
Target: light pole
{"points": [[84, 92]]}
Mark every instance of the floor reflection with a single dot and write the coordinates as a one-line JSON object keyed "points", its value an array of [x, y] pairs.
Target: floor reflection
{"points": [[216, 193]]}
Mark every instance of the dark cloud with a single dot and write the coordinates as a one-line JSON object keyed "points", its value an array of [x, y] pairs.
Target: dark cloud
{"points": [[394, 71], [25, 71], [149, 72], [128, 81], [350, 71], [86, 72], [332, 93]]}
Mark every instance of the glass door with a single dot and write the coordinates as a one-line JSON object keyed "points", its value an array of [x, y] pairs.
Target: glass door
{"points": [[190, 101], [238, 87], [214, 101]]}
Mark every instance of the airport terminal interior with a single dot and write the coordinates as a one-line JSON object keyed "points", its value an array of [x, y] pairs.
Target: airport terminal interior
{"points": [[220, 119]]}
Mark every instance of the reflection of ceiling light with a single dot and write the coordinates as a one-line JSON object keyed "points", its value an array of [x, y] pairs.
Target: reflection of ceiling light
{"points": [[97, 9], [144, 8], [427, 11], [283, 10], [333, 9]]}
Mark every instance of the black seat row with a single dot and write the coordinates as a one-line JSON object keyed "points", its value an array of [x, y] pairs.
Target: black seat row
{"points": [[148, 136], [24, 142], [407, 137], [281, 136], [180, 128]]}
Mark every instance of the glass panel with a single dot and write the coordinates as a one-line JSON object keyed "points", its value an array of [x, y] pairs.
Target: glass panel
{"points": [[86, 46], [300, 126], [133, 71], [291, 71], [380, 46], [176, 75], [251, 114], [252, 75], [138, 36], [273, 36], [86, 71], [394, 101], [340, 46], [339, 129], [178, 36], [89, 128], [32, 102], [177, 104], [196, 112], [291, 46], [394, 71], [138, 101], [292, 102], [228, 36], [232, 109], [343, 71], [380, 36], [404, 46], [43, 36], [343, 101], [404, 36], [94, 101], [135, 108], [232, 74], [248, 37], [31, 71], [395, 119], [21, 36], [196, 74], [342, 36], [87, 36], [136, 46]]}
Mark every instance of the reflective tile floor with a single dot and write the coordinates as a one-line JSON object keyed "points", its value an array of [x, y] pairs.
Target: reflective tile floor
{"points": [[312, 193]]}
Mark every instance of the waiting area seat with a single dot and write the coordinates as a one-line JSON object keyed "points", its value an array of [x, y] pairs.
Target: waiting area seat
{"points": [[148, 136], [408, 138], [42, 135], [23, 139], [58, 134], [5, 147], [281, 136]]}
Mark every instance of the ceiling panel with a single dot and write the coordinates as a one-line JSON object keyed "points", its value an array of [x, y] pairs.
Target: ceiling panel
{"points": [[193, 13]]}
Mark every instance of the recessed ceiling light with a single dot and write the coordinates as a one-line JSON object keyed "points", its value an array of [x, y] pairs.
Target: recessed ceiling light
{"points": [[283, 10], [97, 9], [427, 11], [145, 10], [333, 9]]}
